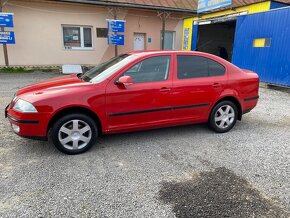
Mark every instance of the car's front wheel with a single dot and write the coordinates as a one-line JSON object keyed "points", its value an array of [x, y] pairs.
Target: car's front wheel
{"points": [[74, 133], [223, 116]]}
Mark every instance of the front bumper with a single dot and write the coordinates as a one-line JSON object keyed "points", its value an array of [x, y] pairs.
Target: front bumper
{"points": [[31, 125]]}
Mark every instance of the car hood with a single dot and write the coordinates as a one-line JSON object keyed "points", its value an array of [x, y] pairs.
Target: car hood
{"points": [[56, 82]]}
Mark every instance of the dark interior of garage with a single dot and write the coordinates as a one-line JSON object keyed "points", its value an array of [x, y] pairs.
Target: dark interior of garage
{"points": [[217, 38]]}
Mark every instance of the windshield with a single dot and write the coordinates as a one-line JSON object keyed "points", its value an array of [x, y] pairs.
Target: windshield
{"points": [[103, 71]]}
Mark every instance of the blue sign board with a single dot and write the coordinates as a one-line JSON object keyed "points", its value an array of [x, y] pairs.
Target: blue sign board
{"points": [[6, 20], [7, 37], [116, 39], [116, 25], [206, 5]]}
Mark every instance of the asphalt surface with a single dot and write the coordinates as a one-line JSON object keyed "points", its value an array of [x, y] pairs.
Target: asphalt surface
{"points": [[181, 172]]}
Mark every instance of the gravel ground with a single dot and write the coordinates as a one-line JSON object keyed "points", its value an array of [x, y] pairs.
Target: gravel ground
{"points": [[173, 172]]}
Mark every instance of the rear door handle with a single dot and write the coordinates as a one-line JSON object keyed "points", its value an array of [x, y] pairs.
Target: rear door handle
{"points": [[216, 85], [165, 89]]}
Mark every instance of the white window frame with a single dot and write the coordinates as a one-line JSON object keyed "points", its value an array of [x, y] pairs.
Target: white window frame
{"points": [[81, 38]]}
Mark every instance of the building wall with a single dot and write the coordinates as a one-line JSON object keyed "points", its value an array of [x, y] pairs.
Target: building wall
{"points": [[271, 60], [39, 39], [250, 9]]}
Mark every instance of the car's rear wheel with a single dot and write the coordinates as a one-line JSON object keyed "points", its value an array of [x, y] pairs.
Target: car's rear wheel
{"points": [[223, 116], [74, 133]]}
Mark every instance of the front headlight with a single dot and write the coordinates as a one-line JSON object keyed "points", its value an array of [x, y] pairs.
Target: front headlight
{"points": [[24, 106]]}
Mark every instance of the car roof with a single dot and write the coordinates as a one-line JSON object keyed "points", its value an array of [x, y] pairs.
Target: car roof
{"points": [[143, 53], [156, 52], [146, 52]]}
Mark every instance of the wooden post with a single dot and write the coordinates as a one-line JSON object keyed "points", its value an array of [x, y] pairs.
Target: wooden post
{"points": [[4, 45], [163, 18]]}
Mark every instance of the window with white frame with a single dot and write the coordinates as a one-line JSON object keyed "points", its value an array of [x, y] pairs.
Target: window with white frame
{"points": [[77, 37], [169, 39]]}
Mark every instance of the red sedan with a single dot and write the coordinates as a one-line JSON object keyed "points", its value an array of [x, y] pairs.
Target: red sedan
{"points": [[134, 91]]}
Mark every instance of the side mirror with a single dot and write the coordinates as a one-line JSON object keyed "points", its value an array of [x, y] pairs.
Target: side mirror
{"points": [[124, 80]]}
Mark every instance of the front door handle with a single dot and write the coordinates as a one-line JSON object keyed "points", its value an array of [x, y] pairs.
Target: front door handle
{"points": [[165, 89], [216, 85]]}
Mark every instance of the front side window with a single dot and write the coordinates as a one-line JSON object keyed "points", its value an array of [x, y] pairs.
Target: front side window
{"points": [[150, 70], [190, 66], [77, 37]]}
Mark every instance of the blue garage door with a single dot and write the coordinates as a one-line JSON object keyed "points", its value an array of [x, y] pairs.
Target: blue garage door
{"points": [[262, 44]]}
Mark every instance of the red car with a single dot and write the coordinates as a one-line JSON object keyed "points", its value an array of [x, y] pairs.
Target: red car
{"points": [[134, 91]]}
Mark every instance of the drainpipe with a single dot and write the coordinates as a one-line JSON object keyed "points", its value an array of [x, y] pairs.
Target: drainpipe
{"points": [[4, 45]]}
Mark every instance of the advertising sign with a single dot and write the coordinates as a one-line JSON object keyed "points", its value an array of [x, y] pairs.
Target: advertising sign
{"points": [[6, 20], [185, 39], [116, 25], [116, 39], [207, 5], [7, 37]]}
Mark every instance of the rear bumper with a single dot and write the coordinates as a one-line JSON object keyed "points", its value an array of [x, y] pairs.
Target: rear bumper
{"points": [[247, 111], [252, 98], [249, 103]]}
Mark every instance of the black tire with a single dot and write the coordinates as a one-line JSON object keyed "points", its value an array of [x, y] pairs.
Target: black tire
{"points": [[216, 125], [68, 122]]}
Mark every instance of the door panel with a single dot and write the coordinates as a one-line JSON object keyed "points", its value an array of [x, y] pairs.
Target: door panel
{"points": [[195, 96], [139, 41], [141, 103]]}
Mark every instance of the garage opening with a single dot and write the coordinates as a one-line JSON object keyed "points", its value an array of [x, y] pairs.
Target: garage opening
{"points": [[217, 38]]}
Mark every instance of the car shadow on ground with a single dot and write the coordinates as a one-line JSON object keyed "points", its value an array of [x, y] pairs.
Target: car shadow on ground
{"points": [[160, 134], [121, 139], [47, 147]]}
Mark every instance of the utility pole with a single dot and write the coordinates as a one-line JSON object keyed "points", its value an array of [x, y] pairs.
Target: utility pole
{"points": [[4, 45]]}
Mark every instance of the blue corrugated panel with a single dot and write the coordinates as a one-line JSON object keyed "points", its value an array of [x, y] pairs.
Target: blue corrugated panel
{"points": [[194, 37], [275, 5], [271, 63]]}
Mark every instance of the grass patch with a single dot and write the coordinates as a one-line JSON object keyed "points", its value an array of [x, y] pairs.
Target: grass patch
{"points": [[27, 70], [15, 70]]}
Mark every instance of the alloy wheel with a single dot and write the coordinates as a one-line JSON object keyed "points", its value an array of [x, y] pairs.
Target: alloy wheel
{"points": [[75, 134], [224, 116]]}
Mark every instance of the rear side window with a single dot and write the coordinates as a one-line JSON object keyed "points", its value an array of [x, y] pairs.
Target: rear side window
{"points": [[197, 67], [215, 69]]}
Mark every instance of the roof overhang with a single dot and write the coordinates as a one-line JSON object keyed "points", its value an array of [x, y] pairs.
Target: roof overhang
{"points": [[128, 5], [220, 19]]}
